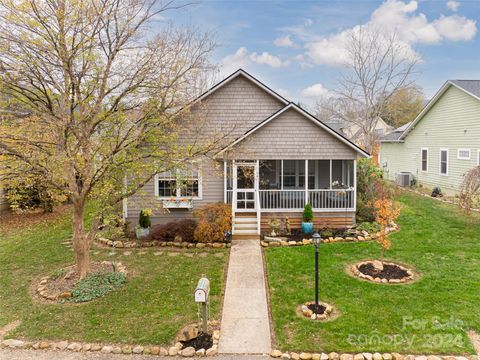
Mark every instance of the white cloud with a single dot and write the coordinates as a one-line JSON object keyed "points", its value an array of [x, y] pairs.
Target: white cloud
{"points": [[266, 58], [453, 5], [242, 58], [456, 28], [315, 91], [401, 18], [284, 41], [308, 22]]}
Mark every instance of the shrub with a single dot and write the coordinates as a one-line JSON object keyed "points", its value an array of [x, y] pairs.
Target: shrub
{"points": [[437, 192], [31, 193], [167, 232], [326, 233], [144, 220], [214, 220], [369, 177], [307, 215], [371, 227], [96, 285]]}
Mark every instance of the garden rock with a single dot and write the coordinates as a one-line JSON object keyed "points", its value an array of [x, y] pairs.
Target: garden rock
{"points": [[295, 356], [212, 351], [188, 352], [117, 350], [285, 356], [387, 356], [397, 356], [188, 333], [137, 349], [13, 343], [173, 351], [163, 351], [74, 347], [377, 356], [323, 356], [86, 347], [333, 356], [107, 349], [346, 357], [305, 356], [358, 357], [43, 345], [96, 347], [368, 356], [200, 352]]}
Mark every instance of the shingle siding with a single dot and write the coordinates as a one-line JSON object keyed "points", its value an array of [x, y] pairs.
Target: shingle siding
{"points": [[452, 123], [291, 136]]}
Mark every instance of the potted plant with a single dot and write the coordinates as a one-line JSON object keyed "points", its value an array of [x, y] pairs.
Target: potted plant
{"points": [[144, 222], [307, 217]]}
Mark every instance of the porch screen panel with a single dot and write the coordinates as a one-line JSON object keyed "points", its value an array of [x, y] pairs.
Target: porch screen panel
{"points": [[318, 174], [342, 174], [294, 174], [270, 174]]}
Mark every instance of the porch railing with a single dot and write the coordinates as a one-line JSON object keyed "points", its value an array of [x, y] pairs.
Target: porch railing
{"points": [[328, 199]]}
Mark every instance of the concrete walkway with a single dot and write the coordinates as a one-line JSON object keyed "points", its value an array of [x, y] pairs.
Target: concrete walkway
{"points": [[245, 324]]}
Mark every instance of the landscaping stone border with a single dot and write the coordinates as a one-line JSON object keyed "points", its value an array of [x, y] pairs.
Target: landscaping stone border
{"points": [[329, 313], [42, 292], [175, 350], [364, 356], [357, 237], [118, 244], [355, 272]]}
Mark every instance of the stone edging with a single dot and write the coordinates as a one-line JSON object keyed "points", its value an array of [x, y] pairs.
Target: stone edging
{"points": [[118, 244], [361, 236], [327, 315], [364, 356], [357, 273], [42, 292], [175, 350]]}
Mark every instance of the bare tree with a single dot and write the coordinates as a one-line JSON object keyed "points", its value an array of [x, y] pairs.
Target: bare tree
{"points": [[105, 94], [378, 66]]}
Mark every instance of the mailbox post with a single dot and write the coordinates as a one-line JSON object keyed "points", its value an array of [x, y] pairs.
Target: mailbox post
{"points": [[201, 298]]}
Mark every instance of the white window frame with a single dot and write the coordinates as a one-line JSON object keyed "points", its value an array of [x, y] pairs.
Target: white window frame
{"points": [[421, 159], [464, 158], [178, 188], [440, 161]]}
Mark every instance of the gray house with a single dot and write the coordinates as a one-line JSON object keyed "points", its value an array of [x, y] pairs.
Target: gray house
{"points": [[442, 143], [278, 158]]}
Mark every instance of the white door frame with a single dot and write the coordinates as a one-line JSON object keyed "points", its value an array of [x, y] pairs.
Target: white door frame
{"points": [[237, 190]]}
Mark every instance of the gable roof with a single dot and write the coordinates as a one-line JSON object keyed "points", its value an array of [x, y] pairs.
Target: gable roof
{"points": [[470, 87], [305, 114], [241, 72]]}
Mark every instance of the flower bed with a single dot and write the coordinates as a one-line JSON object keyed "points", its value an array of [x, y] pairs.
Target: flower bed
{"points": [[323, 312], [364, 356], [119, 244], [389, 273], [355, 236], [65, 285]]}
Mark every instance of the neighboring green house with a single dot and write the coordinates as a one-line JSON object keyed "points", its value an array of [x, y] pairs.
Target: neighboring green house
{"points": [[442, 143]]}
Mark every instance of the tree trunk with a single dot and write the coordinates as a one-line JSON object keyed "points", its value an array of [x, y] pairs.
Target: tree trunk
{"points": [[81, 245]]}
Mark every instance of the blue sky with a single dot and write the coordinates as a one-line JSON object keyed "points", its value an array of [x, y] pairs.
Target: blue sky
{"points": [[295, 47]]}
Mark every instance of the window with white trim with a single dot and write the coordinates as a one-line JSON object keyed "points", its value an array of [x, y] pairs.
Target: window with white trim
{"points": [[184, 183], [463, 154], [424, 159], [444, 161]]}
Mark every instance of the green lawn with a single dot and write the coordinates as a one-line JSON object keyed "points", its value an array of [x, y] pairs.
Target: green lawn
{"points": [[443, 304], [150, 309]]}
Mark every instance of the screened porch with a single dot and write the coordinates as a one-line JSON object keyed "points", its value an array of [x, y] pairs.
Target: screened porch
{"points": [[281, 185]]}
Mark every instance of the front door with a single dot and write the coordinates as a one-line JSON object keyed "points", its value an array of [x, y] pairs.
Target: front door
{"points": [[245, 184]]}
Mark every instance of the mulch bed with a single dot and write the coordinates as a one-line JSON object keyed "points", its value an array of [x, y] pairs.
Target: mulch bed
{"points": [[202, 341], [389, 271], [319, 310], [60, 284]]}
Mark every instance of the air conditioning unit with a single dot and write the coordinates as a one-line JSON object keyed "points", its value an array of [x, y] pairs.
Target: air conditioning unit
{"points": [[404, 179]]}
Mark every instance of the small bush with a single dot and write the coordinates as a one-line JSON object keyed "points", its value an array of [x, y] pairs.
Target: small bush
{"points": [[96, 285], [144, 220], [167, 232], [214, 220], [370, 227], [326, 233], [365, 210], [369, 178], [437, 192], [307, 215]]}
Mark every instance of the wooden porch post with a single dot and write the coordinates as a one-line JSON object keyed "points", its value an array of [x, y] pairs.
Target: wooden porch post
{"points": [[355, 185], [306, 182], [225, 181]]}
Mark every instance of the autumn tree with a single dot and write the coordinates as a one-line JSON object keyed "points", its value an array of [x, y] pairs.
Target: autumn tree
{"points": [[403, 106], [376, 67], [386, 212], [469, 197], [105, 93]]}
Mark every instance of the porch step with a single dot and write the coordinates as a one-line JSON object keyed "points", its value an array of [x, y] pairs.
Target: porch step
{"points": [[245, 237], [240, 226], [245, 226], [245, 231], [245, 220]]}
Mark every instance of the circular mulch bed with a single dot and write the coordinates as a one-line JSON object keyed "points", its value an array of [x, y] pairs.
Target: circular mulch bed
{"points": [[322, 312], [58, 285], [386, 272], [202, 341]]}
